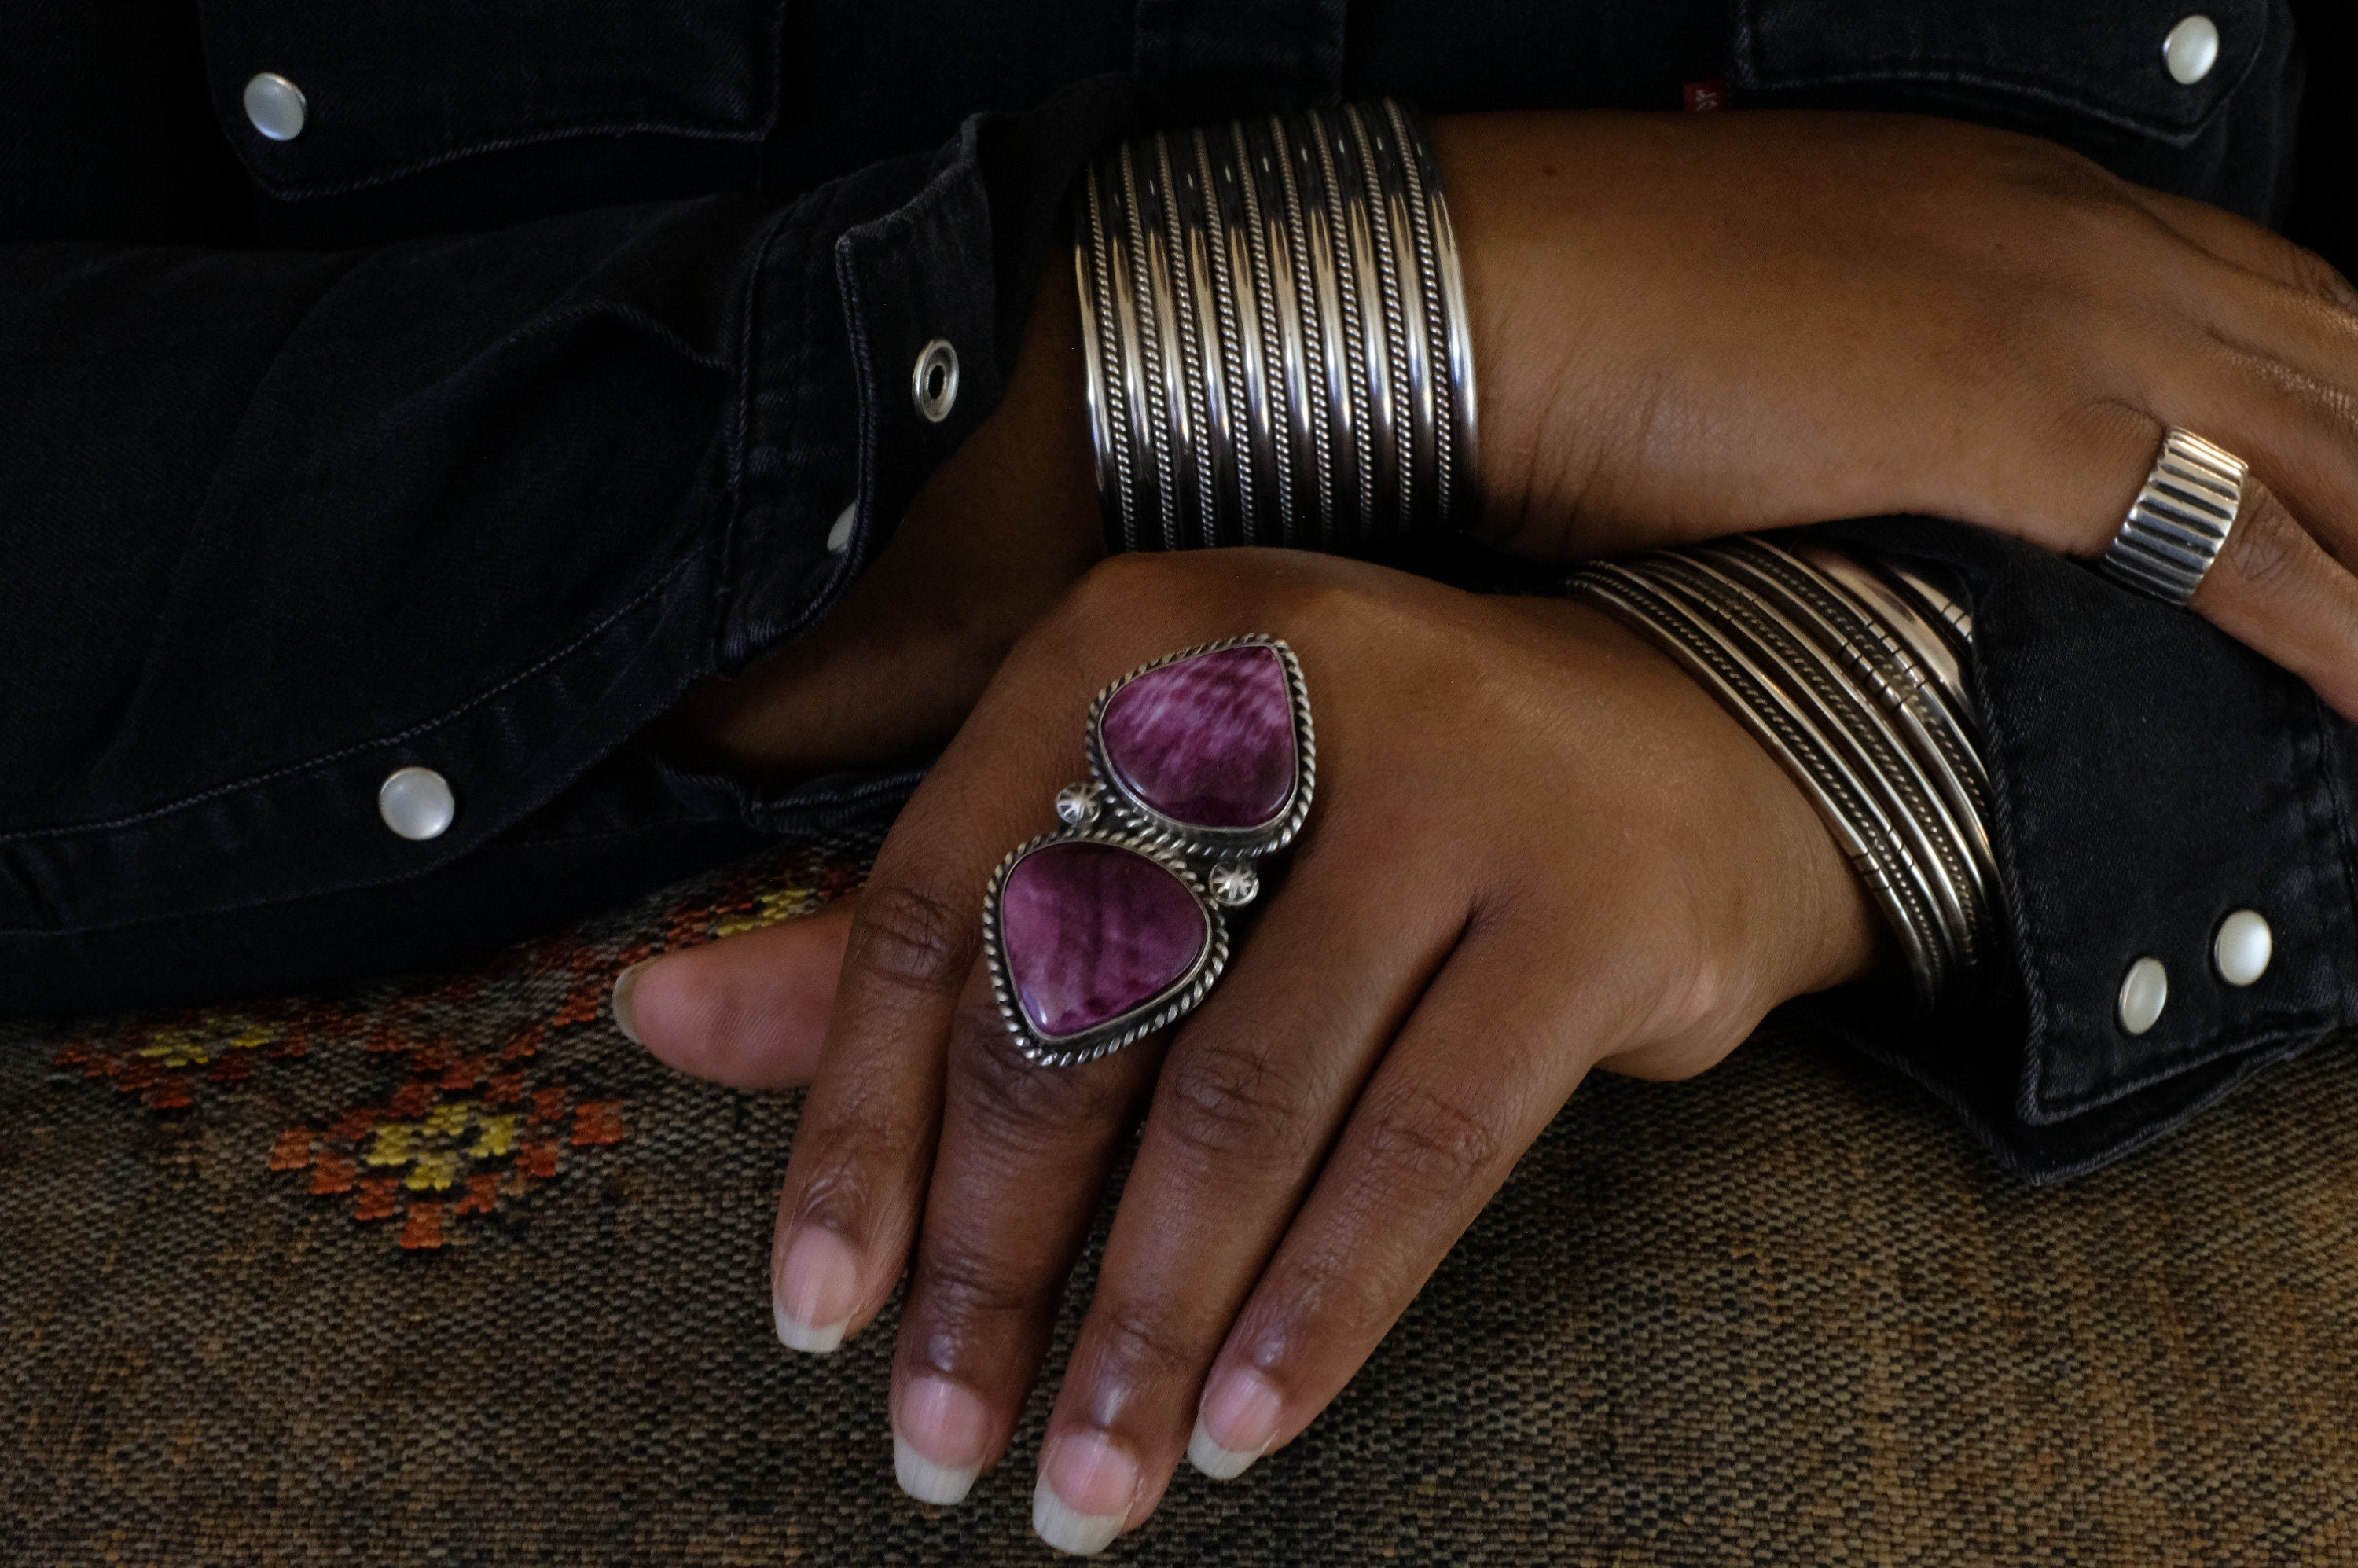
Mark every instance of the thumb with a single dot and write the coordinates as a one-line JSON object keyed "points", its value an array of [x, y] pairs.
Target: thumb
{"points": [[748, 1012]]}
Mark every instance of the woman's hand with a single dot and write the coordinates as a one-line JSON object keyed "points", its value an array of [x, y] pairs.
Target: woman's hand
{"points": [[1536, 849], [1693, 325]]}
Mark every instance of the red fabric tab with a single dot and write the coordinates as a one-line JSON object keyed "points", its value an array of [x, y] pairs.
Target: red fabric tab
{"points": [[1702, 96]]}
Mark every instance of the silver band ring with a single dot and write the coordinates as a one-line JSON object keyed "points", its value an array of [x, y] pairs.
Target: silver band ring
{"points": [[2179, 520]]}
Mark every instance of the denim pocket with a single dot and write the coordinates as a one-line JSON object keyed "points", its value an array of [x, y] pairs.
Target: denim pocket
{"points": [[2039, 65], [374, 89]]}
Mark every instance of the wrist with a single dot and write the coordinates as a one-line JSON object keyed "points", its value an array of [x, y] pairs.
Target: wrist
{"points": [[1803, 915]]}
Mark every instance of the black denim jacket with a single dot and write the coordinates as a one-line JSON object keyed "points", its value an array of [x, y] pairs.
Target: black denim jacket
{"points": [[528, 383]]}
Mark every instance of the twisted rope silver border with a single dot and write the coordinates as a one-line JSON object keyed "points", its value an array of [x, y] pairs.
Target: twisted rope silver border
{"points": [[1165, 1008], [1171, 845], [1187, 838]]}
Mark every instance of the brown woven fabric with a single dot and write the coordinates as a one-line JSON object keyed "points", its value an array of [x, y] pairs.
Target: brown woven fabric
{"points": [[450, 1271]]}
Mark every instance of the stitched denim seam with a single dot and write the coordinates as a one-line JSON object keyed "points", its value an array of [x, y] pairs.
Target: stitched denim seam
{"points": [[313, 764], [2022, 892], [1979, 73], [756, 130], [2337, 806], [740, 432]]}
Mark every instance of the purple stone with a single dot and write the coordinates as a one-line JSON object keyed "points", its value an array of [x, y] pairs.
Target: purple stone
{"points": [[1092, 931], [1208, 740]]}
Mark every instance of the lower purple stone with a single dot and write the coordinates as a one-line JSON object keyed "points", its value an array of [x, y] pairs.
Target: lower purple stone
{"points": [[1208, 740], [1092, 931]]}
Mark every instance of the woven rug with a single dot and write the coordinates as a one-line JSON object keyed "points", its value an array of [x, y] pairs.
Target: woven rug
{"points": [[448, 1272]]}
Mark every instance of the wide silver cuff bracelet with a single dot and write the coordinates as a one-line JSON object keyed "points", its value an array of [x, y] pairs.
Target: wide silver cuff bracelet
{"points": [[1274, 323]]}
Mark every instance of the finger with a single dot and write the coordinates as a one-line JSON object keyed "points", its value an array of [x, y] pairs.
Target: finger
{"points": [[1025, 1150], [1251, 1095], [2237, 239], [748, 1012], [2272, 587], [1466, 1088], [864, 1147], [2275, 589], [2298, 433], [2281, 391]]}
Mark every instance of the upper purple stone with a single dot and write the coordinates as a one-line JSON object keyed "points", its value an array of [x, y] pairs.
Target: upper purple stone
{"points": [[1208, 740], [1092, 931]]}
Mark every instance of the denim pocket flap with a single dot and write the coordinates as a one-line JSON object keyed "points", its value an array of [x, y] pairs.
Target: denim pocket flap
{"points": [[2115, 63], [321, 99]]}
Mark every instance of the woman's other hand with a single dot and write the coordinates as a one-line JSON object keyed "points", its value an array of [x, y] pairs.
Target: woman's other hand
{"points": [[1686, 326], [1537, 849]]}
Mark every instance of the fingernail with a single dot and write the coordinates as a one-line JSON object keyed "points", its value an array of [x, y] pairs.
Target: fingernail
{"points": [[1087, 1483], [1235, 1424], [939, 1432], [816, 1291], [625, 985]]}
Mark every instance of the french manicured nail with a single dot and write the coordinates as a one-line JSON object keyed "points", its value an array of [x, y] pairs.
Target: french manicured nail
{"points": [[1087, 1485], [816, 1291], [626, 985], [1235, 1424], [939, 1434]]}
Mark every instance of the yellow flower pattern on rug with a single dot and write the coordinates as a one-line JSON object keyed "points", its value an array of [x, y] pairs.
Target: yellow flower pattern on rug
{"points": [[452, 1136]]}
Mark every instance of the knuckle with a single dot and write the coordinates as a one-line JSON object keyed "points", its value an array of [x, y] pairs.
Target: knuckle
{"points": [[913, 936], [1225, 1102], [1011, 1100], [1418, 1133], [863, 1151], [956, 1287], [1108, 594], [2264, 545], [2320, 277], [1132, 1343], [1254, 587]]}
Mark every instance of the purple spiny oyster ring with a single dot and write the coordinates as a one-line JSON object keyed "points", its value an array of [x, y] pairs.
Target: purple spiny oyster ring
{"points": [[1115, 926]]}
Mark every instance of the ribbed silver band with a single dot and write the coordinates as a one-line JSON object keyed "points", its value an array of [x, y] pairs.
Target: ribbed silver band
{"points": [[2179, 520], [1850, 674], [1275, 330]]}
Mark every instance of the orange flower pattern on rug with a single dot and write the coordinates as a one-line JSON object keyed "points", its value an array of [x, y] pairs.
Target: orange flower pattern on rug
{"points": [[454, 1134]]}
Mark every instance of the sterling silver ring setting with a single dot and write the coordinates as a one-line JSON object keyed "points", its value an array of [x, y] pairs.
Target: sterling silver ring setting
{"points": [[1115, 924]]}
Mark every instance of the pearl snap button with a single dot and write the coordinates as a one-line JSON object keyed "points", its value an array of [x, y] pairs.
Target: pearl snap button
{"points": [[839, 536], [935, 384], [2242, 947], [416, 803], [2145, 991], [276, 106], [2191, 50]]}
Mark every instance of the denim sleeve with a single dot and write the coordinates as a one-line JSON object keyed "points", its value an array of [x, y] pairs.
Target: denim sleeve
{"points": [[2150, 775], [277, 524]]}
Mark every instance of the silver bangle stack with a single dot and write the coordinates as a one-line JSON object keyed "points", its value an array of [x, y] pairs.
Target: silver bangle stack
{"points": [[1273, 322], [1851, 673]]}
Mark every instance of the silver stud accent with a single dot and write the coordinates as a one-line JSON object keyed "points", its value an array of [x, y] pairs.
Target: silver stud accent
{"points": [[934, 385], [1234, 885], [416, 803], [2145, 991], [1076, 804], [2242, 947], [276, 106], [839, 538], [2190, 49]]}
